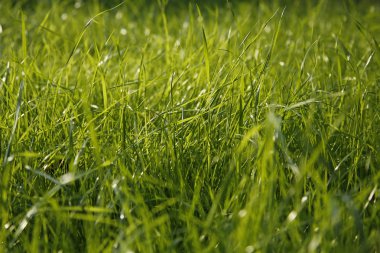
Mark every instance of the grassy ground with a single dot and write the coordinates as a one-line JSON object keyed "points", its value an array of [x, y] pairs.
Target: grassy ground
{"points": [[222, 127]]}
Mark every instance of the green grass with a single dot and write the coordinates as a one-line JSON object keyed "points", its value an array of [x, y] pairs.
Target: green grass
{"points": [[174, 127]]}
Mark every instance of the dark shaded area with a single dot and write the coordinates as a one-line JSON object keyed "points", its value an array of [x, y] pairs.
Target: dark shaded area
{"points": [[173, 6], [184, 3]]}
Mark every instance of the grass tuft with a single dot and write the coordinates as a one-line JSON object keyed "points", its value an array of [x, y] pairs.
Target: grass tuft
{"points": [[161, 126]]}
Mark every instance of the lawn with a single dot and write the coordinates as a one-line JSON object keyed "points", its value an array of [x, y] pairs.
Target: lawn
{"points": [[190, 126]]}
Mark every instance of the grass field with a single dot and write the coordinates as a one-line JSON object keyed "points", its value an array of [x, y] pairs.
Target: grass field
{"points": [[147, 126]]}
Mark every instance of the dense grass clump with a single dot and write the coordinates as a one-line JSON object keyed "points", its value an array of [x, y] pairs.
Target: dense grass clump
{"points": [[156, 126]]}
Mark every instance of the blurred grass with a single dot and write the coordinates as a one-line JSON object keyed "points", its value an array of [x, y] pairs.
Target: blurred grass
{"points": [[176, 127]]}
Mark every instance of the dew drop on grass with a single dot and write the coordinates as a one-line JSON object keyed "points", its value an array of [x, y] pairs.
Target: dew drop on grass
{"points": [[64, 16], [249, 249], [77, 4], [115, 183], [10, 158], [67, 178], [292, 216], [242, 213], [123, 31], [203, 91], [7, 225], [31, 212], [185, 25], [147, 31], [256, 55], [24, 221], [119, 15], [314, 243], [22, 226], [275, 136], [177, 43]]}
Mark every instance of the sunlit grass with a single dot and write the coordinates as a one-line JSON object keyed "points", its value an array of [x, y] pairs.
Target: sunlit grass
{"points": [[176, 127]]}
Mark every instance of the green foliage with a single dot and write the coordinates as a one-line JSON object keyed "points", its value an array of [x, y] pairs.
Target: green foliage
{"points": [[189, 127]]}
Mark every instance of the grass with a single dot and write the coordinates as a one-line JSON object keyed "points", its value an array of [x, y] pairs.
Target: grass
{"points": [[175, 127]]}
